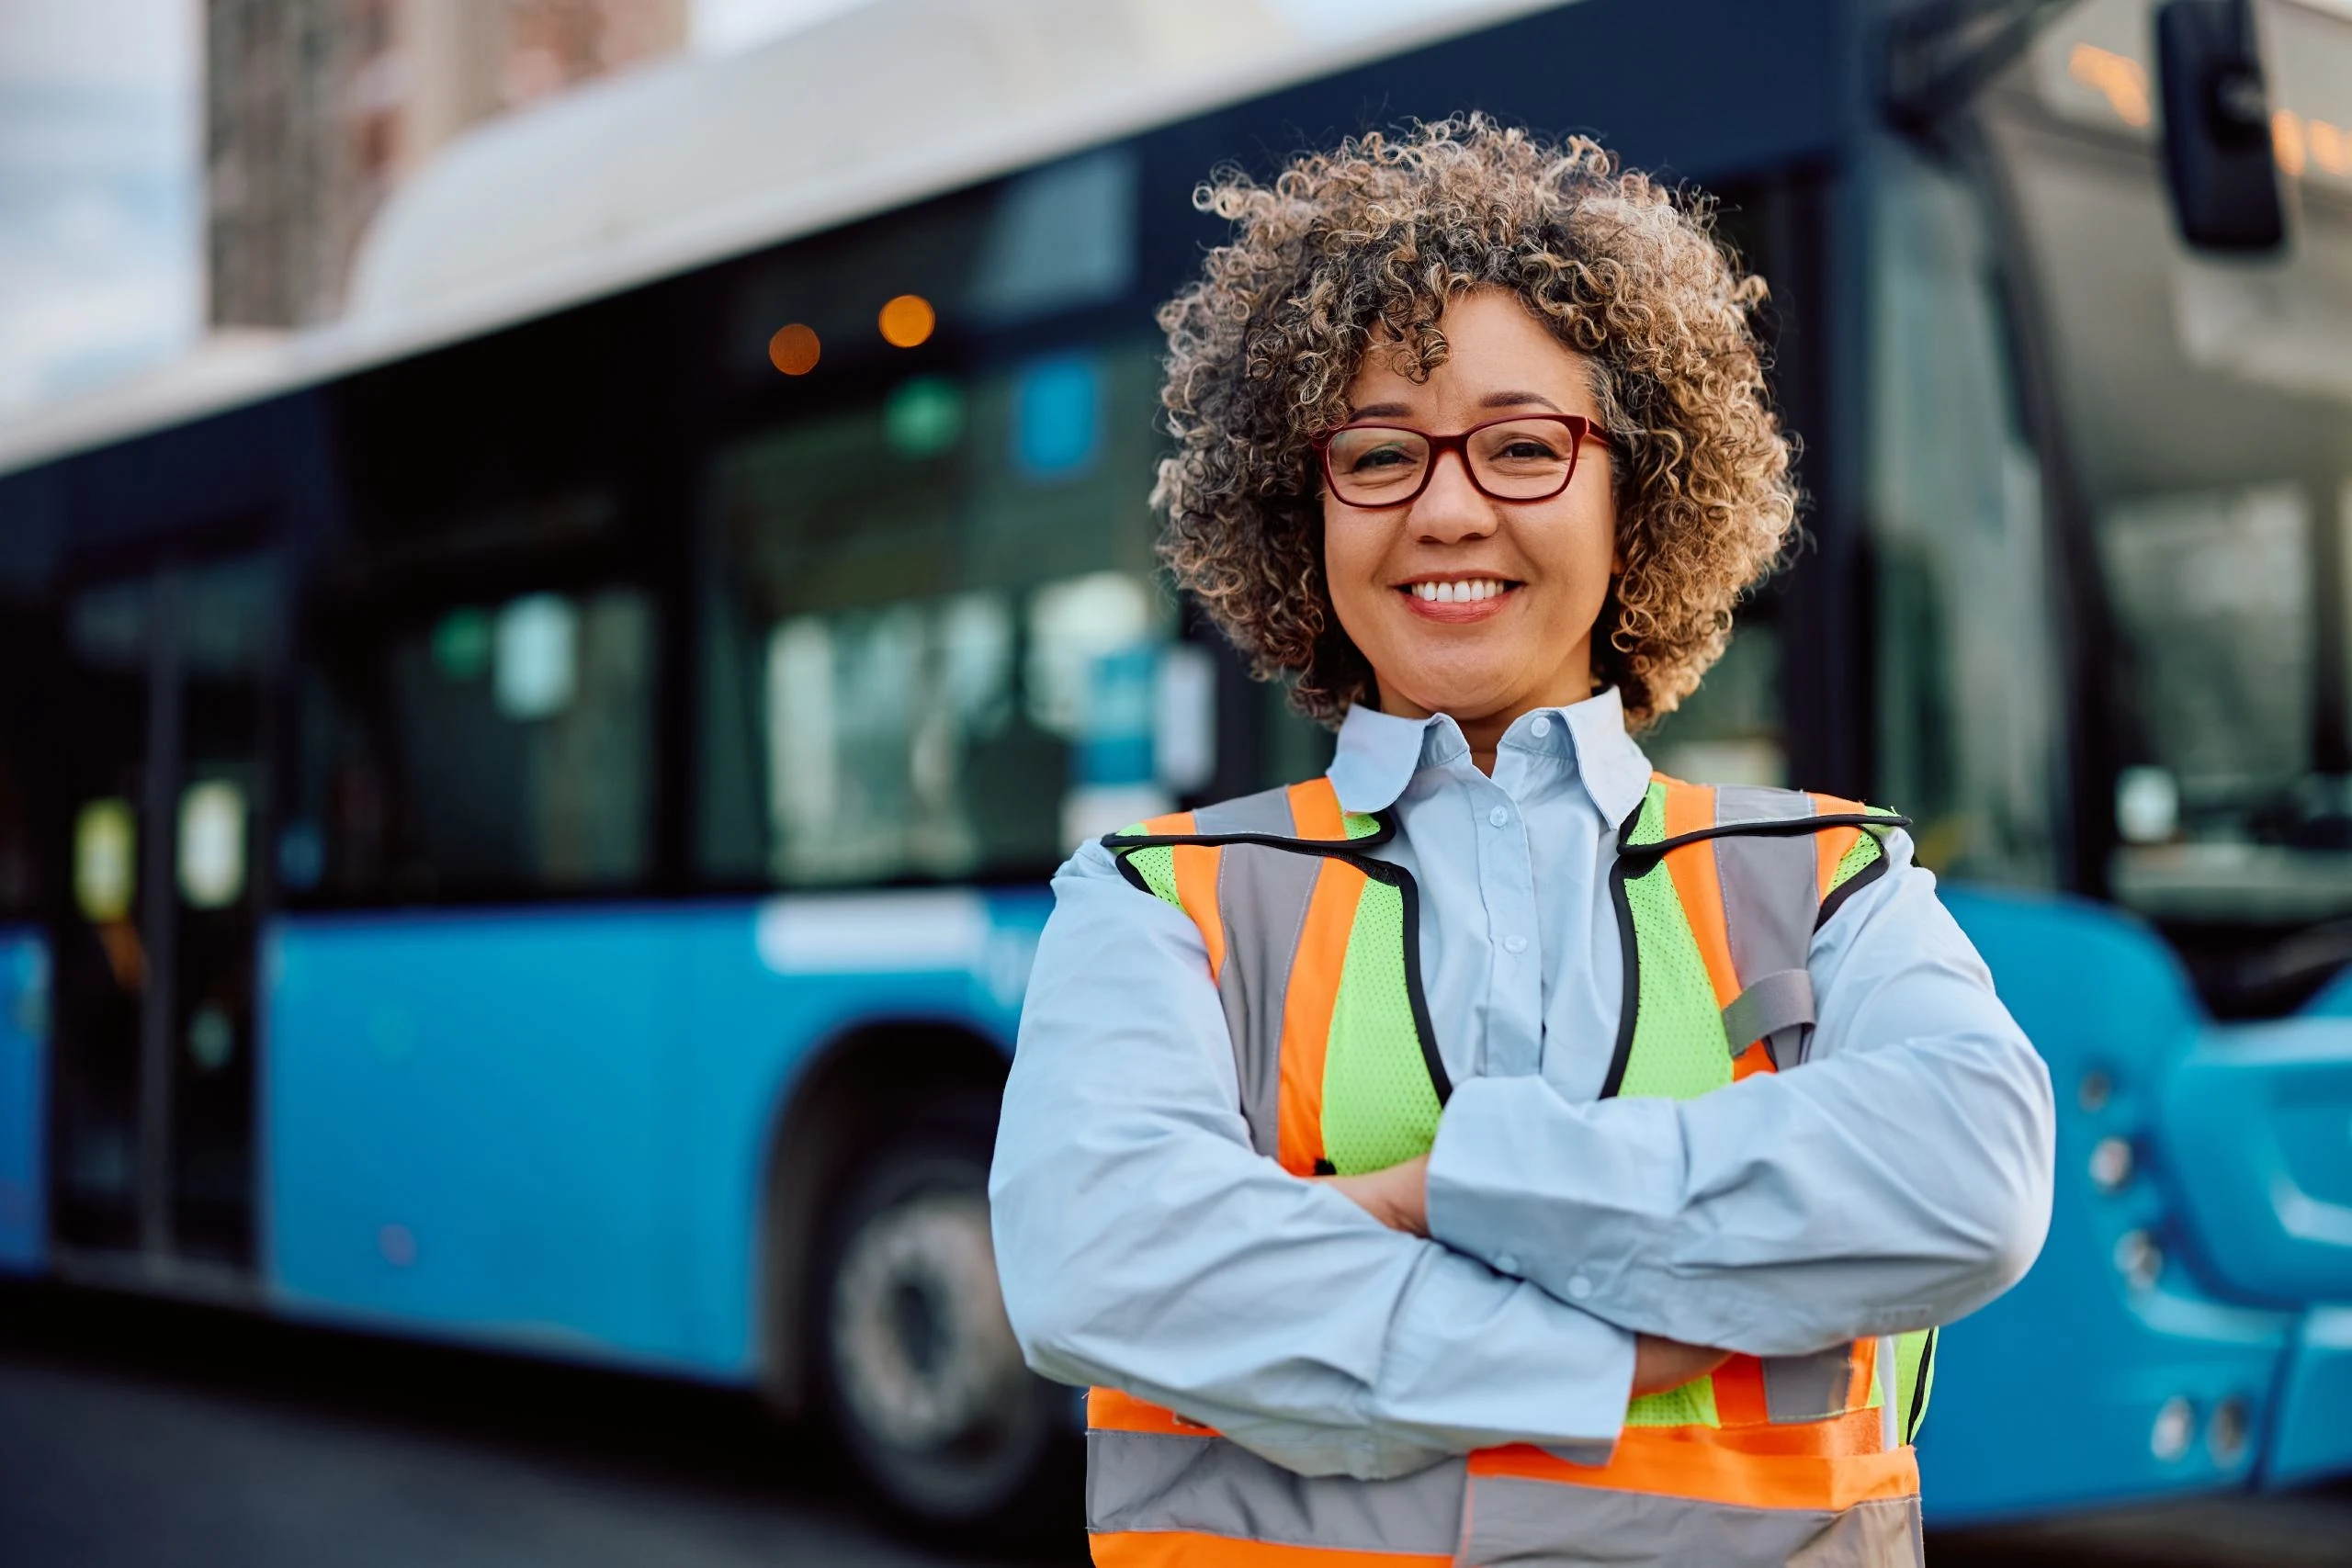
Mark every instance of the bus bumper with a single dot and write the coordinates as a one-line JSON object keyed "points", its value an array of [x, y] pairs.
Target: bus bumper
{"points": [[2310, 1434]]}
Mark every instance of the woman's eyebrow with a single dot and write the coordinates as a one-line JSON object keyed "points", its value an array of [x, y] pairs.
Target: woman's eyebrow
{"points": [[1380, 410], [1517, 399]]}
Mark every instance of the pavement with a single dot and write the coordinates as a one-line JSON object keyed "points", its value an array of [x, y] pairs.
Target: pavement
{"points": [[136, 1434]]}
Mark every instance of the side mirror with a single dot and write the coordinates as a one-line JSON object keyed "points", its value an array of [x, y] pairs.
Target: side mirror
{"points": [[2218, 161]]}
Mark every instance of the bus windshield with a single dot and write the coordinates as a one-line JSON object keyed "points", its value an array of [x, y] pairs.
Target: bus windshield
{"points": [[2205, 407]]}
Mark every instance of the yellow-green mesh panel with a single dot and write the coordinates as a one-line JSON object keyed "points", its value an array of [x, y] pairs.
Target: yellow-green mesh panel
{"points": [[1157, 865], [1866, 850], [1379, 1107], [1362, 825], [1692, 1404], [1679, 1050], [1910, 1352]]}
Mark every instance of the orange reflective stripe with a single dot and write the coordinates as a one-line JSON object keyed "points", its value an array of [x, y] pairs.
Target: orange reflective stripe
{"points": [[1714, 1466], [1312, 991], [1830, 844], [1739, 1390], [1109, 1410], [1748, 1063], [1857, 1392], [1187, 1548], [1196, 869], [1689, 809], [1175, 825], [1315, 811]]}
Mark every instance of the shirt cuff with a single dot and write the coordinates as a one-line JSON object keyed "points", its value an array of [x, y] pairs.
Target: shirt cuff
{"points": [[1568, 1197]]}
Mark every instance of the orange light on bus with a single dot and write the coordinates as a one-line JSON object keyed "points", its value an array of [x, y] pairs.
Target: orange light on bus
{"points": [[2122, 80], [2287, 141], [2331, 146], [907, 321], [794, 349]]}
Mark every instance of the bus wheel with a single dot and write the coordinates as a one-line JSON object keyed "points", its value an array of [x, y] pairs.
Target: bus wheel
{"points": [[923, 1379]]}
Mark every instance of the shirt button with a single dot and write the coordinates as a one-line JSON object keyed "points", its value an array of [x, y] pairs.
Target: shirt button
{"points": [[1542, 726], [1499, 816], [1579, 1287], [1514, 945], [1506, 1263]]}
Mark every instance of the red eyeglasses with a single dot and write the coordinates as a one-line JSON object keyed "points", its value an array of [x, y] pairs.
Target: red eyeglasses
{"points": [[1525, 457]]}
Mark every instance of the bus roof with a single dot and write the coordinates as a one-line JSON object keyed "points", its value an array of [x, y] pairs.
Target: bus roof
{"points": [[696, 159]]}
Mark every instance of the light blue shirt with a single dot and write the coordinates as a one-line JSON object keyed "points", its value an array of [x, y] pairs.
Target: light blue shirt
{"points": [[1899, 1178]]}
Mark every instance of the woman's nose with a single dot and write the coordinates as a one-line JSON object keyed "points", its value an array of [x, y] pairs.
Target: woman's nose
{"points": [[1452, 508]]}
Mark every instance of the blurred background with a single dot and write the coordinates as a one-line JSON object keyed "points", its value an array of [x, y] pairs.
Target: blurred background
{"points": [[569, 567]]}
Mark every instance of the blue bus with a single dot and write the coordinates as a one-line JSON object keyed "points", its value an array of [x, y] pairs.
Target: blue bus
{"points": [[524, 814]]}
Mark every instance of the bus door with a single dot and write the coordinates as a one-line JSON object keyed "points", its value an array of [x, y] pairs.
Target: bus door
{"points": [[165, 688]]}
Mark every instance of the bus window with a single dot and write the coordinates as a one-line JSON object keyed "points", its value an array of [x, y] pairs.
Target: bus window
{"points": [[1968, 678], [503, 747], [938, 656], [2208, 410]]}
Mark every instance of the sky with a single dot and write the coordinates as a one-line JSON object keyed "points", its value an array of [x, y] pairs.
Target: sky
{"points": [[98, 240], [101, 262]]}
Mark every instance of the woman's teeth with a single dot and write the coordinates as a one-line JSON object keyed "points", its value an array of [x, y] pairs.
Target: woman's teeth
{"points": [[1464, 592]]}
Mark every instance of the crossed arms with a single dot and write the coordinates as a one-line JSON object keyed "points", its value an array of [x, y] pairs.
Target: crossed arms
{"points": [[1574, 1254]]}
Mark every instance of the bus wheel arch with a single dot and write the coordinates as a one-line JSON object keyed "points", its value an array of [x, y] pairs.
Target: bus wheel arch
{"points": [[858, 1088]]}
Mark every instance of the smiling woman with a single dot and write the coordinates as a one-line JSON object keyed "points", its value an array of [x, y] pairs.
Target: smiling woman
{"points": [[1363, 1146]]}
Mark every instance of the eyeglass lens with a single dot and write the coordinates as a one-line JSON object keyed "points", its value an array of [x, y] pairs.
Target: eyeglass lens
{"points": [[1512, 460]]}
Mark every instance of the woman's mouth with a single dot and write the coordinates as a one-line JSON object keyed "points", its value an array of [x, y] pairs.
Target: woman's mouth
{"points": [[1456, 599]]}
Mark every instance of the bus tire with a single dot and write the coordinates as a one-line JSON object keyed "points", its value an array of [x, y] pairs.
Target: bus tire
{"points": [[918, 1368]]}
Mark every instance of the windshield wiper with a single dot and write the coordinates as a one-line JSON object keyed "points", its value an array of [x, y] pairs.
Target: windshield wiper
{"points": [[1940, 53]]}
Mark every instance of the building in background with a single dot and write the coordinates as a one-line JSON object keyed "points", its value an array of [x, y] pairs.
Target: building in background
{"points": [[315, 109]]}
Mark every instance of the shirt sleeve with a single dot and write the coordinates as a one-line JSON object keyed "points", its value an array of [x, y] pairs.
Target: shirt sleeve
{"points": [[1899, 1178], [1143, 1243]]}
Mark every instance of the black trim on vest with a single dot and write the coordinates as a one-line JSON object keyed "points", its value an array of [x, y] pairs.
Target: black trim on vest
{"points": [[1919, 1389], [1121, 845], [1778, 826], [1134, 878], [1632, 949], [1851, 885]]}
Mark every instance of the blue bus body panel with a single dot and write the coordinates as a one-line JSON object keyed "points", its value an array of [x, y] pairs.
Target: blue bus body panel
{"points": [[546, 1129], [24, 1101], [2049, 1398]]}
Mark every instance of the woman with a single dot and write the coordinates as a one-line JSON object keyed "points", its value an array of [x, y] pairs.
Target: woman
{"points": [[1489, 1152]]}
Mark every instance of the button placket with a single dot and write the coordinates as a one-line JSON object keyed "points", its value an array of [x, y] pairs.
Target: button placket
{"points": [[1514, 1012]]}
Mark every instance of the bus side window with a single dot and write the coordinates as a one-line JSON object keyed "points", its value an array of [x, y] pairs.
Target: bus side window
{"points": [[501, 746], [1966, 662]]}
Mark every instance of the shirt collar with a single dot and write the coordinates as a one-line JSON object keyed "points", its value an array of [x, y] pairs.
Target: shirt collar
{"points": [[1379, 754]]}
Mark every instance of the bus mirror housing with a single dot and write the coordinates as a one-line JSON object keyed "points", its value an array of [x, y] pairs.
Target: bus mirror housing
{"points": [[2218, 163]]}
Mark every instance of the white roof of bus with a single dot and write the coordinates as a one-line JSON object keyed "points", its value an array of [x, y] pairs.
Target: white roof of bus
{"points": [[697, 158]]}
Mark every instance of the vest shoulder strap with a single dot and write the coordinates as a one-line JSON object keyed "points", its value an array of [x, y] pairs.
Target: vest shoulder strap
{"points": [[1749, 875], [1306, 816]]}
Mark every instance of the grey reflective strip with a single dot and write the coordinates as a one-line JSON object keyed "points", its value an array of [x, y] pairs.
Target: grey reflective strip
{"points": [[1262, 894], [1776, 1008], [1772, 893], [1157, 1481], [1266, 812], [1537, 1524], [1807, 1388]]}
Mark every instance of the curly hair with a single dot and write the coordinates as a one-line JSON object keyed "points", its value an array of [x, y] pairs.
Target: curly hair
{"points": [[1365, 245]]}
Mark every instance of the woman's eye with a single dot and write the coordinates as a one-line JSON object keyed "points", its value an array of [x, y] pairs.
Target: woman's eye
{"points": [[1527, 450], [1379, 458]]}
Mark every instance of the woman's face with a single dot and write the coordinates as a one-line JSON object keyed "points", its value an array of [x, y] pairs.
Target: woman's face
{"points": [[1511, 630]]}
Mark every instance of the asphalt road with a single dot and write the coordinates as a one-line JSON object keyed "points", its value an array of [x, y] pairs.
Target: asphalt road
{"points": [[137, 1434]]}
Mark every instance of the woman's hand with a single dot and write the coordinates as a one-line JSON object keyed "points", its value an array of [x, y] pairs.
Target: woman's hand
{"points": [[1660, 1364], [1397, 1197]]}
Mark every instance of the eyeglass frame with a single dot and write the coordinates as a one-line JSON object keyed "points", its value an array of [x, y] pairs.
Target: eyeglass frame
{"points": [[1584, 429]]}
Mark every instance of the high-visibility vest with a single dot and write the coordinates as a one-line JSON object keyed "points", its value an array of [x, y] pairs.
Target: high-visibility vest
{"points": [[1314, 947]]}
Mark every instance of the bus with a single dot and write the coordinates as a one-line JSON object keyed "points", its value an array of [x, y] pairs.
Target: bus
{"points": [[524, 813]]}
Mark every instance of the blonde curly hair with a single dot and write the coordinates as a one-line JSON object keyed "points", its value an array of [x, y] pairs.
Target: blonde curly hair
{"points": [[1367, 244]]}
